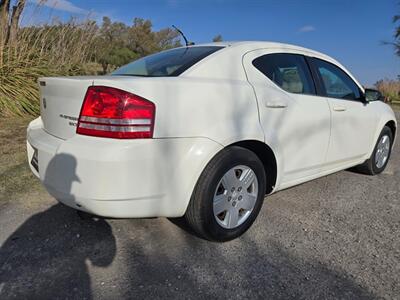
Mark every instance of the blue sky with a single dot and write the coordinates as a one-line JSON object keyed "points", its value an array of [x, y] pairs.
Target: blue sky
{"points": [[351, 31]]}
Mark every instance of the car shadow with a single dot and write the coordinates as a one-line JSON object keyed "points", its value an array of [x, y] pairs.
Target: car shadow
{"points": [[175, 263]]}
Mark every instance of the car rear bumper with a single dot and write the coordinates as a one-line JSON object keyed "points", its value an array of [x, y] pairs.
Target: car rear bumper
{"points": [[120, 178]]}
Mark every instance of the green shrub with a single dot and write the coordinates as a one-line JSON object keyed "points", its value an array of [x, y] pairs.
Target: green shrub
{"points": [[390, 89]]}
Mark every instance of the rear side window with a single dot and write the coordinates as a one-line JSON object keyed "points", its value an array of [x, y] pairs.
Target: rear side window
{"points": [[289, 71], [167, 63], [335, 81]]}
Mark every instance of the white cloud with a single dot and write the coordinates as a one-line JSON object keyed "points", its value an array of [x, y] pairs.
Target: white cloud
{"points": [[307, 28], [62, 5]]}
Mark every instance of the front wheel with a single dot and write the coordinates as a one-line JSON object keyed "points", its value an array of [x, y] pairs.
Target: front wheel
{"points": [[381, 154], [228, 195]]}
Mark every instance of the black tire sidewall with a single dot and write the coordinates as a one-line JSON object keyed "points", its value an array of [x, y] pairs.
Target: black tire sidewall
{"points": [[385, 131], [234, 157]]}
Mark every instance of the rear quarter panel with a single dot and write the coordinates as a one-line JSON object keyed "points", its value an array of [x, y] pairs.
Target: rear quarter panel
{"points": [[222, 110]]}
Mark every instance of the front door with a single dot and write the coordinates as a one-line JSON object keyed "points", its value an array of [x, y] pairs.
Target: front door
{"points": [[353, 121]]}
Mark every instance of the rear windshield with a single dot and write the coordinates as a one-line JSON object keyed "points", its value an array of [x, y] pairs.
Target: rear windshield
{"points": [[167, 63]]}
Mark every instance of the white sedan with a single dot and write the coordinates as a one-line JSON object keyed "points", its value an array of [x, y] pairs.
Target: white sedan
{"points": [[205, 132]]}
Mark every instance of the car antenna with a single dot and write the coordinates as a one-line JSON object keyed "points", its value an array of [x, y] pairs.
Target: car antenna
{"points": [[184, 37]]}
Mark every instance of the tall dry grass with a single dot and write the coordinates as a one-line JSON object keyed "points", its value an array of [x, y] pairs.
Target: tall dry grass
{"points": [[47, 50], [390, 89]]}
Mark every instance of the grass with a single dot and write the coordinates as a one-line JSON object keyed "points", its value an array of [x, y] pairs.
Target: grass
{"points": [[15, 176], [59, 49]]}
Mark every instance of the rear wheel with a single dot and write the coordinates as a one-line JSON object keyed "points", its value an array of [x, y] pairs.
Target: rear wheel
{"points": [[381, 154], [228, 195]]}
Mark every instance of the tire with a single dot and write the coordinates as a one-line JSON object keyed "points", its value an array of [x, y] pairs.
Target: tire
{"points": [[233, 168], [371, 165]]}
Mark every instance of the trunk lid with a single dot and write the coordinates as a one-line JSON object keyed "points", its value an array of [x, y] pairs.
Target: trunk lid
{"points": [[61, 100]]}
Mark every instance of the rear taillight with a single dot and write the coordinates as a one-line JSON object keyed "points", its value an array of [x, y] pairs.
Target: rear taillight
{"points": [[113, 113]]}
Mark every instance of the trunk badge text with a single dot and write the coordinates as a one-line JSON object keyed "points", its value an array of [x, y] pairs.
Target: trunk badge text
{"points": [[44, 103], [72, 119]]}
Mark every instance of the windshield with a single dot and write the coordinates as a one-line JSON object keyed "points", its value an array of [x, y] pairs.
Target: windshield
{"points": [[167, 63]]}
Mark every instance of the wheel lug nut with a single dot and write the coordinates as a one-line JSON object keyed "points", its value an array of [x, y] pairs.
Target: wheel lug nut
{"points": [[240, 197], [239, 189], [233, 189], [229, 198]]}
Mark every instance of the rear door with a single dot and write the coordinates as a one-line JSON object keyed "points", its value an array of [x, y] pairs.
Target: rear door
{"points": [[295, 121], [353, 121]]}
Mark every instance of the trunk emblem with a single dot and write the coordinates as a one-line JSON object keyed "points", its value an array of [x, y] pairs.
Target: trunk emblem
{"points": [[44, 103]]}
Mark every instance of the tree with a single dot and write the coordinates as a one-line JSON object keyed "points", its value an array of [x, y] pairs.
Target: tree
{"points": [[144, 41], [396, 43], [111, 44], [118, 43], [9, 20], [217, 38], [4, 20], [14, 21]]}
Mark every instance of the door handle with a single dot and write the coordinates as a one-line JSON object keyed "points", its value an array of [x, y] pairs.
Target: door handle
{"points": [[339, 108], [276, 104]]}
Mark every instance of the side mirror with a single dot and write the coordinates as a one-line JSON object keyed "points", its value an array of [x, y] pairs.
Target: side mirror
{"points": [[373, 95]]}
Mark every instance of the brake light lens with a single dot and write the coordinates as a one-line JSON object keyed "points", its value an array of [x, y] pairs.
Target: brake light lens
{"points": [[114, 113]]}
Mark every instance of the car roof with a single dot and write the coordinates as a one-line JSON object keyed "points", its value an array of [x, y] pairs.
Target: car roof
{"points": [[254, 45], [243, 47]]}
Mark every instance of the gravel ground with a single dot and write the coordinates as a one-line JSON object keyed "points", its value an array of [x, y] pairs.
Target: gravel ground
{"points": [[334, 237]]}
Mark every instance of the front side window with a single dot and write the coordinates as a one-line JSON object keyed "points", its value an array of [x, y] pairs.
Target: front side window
{"points": [[289, 71], [167, 63], [337, 83]]}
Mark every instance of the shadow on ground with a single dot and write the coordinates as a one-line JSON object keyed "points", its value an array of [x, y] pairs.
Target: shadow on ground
{"points": [[47, 256], [50, 256]]}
